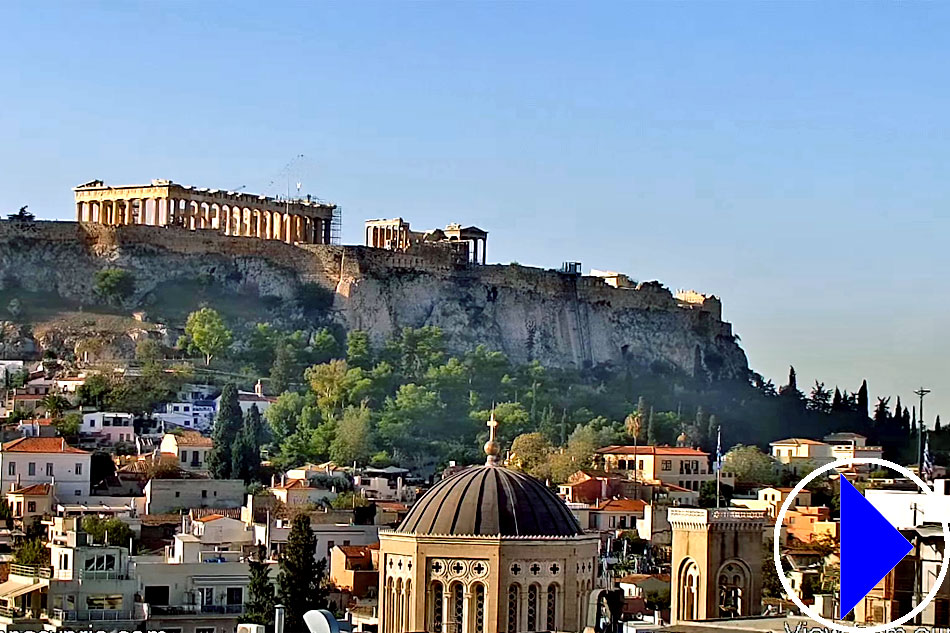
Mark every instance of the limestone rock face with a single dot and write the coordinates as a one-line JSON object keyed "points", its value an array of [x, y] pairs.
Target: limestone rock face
{"points": [[528, 313]]}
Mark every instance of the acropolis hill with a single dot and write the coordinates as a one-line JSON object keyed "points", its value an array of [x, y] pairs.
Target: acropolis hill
{"points": [[255, 263]]}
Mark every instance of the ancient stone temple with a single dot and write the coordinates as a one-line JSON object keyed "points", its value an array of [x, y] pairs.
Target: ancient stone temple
{"points": [[716, 563], [395, 235], [487, 550], [165, 203]]}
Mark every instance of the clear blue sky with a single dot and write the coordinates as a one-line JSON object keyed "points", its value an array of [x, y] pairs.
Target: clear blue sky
{"points": [[789, 157]]}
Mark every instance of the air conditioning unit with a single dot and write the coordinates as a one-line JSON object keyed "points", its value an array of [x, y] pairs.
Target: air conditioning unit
{"points": [[250, 628]]}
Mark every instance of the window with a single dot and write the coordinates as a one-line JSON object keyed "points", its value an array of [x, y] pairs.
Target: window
{"points": [[330, 545], [480, 608], [157, 595], [207, 596], [106, 422], [667, 464], [31, 506], [49, 469], [78, 468], [11, 468], [640, 465], [235, 595], [436, 623], [514, 602], [184, 456], [31, 469], [202, 629], [204, 494], [533, 608], [552, 608], [177, 493], [77, 493], [92, 423]]}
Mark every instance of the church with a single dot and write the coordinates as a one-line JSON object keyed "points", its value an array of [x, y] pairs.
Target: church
{"points": [[488, 550]]}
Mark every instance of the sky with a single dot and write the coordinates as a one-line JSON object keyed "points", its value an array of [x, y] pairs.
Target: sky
{"points": [[790, 158]]}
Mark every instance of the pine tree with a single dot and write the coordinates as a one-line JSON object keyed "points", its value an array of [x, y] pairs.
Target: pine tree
{"points": [[227, 425], [301, 583], [259, 606], [836, 402], [284, 369], [937, 425], [863, 402]]}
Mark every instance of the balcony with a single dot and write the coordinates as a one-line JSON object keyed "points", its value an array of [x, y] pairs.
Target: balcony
{"points": [[11, 612], [92, 615], [31, 572], [102, 575], [197, 609]]}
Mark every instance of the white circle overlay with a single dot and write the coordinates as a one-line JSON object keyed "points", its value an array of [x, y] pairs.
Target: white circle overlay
{"points": [[844, 463]]}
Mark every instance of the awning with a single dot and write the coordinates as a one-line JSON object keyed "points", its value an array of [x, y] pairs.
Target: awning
{"points": [[13, 588]]}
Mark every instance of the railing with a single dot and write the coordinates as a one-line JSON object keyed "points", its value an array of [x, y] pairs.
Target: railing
{"points": [[31, 571], [93, 615], [102, 575], [194, 609], [11, 612]]}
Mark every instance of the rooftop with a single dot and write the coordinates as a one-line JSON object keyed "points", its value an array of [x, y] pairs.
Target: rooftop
{"points": [[622, 505], [797, 441], [40, 445], [651, 450], [36, 490], [193, 438]]}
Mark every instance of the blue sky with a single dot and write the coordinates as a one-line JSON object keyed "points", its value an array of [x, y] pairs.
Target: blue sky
{"points": [[789, 157]]}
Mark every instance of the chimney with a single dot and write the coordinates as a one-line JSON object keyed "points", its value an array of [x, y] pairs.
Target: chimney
{"points": [[273, 480]]}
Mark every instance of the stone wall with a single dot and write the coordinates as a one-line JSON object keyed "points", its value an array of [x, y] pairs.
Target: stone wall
{"points": [[529, 313]]}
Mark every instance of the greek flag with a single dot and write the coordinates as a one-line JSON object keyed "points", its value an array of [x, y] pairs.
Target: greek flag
{"points": [[927, 472], [718, 465]]}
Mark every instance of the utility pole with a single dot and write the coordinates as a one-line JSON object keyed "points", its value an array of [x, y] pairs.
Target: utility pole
{"points": [[920, 426]]}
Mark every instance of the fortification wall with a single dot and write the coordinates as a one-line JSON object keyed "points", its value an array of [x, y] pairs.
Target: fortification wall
{"points": [[528, 313]]}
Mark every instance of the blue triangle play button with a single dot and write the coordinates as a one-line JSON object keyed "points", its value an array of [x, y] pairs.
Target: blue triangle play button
{"points": [[870, 547]]}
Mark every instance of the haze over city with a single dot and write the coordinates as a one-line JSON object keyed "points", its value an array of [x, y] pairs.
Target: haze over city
{"points": [[789, 158]]}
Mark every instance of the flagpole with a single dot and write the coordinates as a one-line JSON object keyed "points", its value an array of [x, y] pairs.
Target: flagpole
{"points": [[718, 463]]}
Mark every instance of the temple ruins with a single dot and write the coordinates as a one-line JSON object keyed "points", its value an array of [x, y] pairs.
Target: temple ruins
{"points": [[395, 235], [165, 203]]}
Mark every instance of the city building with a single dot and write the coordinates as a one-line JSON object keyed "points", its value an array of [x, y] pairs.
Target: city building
{"points": [[678, 465], [31, 503], [43, 460], [189, 448], [355, 569], [302, 492], [171, 495], [385, 484], [195, 415], [107, 428]]}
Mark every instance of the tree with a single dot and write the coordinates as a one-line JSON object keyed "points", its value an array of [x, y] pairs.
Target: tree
{"points": [[358, 350], [114, 284], [862, 402], [112, 531], [301, 583], [227, 425], [32, 552], [284, 370], [94, 390], [354, 437], [531, 452], [349, 500], [101, 467], [148, 350], [657, 600], [54, 404], [819, 399], [791, 389], [259, 606], [246, 450], [750, 465], [68, 425], [205, 331]]}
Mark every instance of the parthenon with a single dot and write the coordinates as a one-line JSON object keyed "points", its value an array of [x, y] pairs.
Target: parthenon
{"points": [[165, 203]]}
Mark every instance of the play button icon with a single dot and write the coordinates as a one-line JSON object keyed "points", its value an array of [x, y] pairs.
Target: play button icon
{"points": [[870, 546]]}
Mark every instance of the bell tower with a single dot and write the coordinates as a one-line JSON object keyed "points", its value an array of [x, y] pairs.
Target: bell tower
{"points": [[716, 565]]}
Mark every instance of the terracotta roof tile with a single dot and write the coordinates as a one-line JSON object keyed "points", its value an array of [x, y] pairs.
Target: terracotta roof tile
{"points": [[651, 450], [193, 438], [622, 505], [36, 490], [40, 445]]}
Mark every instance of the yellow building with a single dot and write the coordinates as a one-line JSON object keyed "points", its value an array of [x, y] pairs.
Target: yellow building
{"points": [[488, 550], [677, 465]]}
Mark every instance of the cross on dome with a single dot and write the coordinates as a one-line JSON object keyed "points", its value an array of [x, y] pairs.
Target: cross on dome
{"points": [[492, 447]]}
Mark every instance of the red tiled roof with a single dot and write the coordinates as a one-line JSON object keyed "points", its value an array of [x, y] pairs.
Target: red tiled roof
{"points": [[651, 450], [392, 506], [296, 484], [40, 445], [193, 438], [40, 421], [357, 551], [632, 579], [622, 505], [209, 518], [36, 490]]}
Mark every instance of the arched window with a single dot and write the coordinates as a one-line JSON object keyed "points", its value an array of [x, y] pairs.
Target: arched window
{"points": [[398, 603], [514, 604], [456, 612], [533, 607], [435, 607], [388, 606], [479, 608], [551, 613]]}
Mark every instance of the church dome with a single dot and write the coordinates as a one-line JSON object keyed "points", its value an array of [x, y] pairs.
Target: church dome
{"points": [[490, 501]]}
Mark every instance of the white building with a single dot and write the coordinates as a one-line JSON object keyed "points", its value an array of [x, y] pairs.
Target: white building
{"points": [[42, 460], [171, 495], [386, 484], [906, 509], [247, 399], [190, 449], [108, 427], [197, 416]]}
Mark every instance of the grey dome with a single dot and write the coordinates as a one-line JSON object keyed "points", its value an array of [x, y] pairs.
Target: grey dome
{"points": [[490, 501]]}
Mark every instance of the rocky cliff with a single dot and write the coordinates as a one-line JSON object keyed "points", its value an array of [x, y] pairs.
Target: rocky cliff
{"points": [[528, 313]]}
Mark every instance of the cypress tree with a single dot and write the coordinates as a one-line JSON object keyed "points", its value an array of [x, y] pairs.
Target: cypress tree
{"points": [[651, 429], [259, 606], [301, 583], [227, 425], [246, 452], [863, 402]]}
